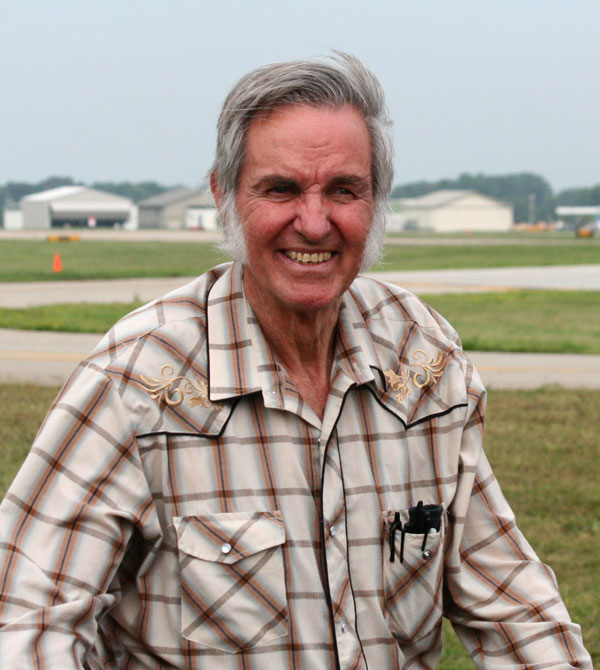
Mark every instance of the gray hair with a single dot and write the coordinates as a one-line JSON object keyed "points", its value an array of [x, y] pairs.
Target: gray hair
{"points": [[336, 81]]}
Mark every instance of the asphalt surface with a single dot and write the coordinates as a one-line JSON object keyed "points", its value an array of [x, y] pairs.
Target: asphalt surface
{"points": [[49, 357], [566, 277]]}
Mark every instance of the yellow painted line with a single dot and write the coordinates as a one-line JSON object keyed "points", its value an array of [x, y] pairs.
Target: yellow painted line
{"points": [[40, 356]]}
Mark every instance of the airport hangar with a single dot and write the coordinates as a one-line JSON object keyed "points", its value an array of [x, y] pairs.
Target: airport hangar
{"points": [[192, 208], [74, 207], [451, 211]]}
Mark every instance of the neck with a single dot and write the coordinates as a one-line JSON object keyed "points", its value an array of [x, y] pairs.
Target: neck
{"points": [[304, 343]]}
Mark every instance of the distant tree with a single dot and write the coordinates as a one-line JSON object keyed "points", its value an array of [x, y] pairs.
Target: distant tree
{"points": [[15, 190], [135, 190], [522, 190], [55, 182], [12, 192], [584, 197]]}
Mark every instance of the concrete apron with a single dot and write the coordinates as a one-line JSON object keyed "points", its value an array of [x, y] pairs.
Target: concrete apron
{"points": [[48, 358]]}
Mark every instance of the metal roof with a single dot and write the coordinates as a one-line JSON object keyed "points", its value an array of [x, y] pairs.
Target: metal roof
{"points": [[580, 210], [438, 198], [445, 197], [203, 196], [92, 196], [54, 193]]}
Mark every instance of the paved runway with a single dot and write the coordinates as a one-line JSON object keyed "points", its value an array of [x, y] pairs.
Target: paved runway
{"points": [[48, 358], [568, 277]]}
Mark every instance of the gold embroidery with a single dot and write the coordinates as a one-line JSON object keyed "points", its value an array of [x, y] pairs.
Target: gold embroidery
{"points": [[398, 383], [173, 391], [429, 374], [431, 370]]}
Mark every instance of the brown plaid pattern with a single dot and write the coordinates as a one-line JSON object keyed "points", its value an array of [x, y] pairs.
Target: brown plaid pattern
{"points": [[181, 506]]}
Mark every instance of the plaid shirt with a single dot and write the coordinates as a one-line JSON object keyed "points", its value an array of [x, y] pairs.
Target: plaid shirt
{"points": [[182, 507]]}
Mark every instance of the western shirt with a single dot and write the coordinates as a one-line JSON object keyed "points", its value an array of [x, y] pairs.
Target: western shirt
{"points": [[182, 507]]}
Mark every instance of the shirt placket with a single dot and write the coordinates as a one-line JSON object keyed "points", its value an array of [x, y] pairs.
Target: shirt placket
{"points": [[335, 543]]}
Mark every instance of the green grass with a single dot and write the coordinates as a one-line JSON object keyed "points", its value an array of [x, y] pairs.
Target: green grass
{"points": [[544, 448], [31, 260], [530, 321], [22, 408], [66, 317], [445, 256]]}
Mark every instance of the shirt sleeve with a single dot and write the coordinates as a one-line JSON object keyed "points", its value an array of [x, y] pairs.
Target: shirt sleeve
{"points": [[64, 526], [503, 602]]}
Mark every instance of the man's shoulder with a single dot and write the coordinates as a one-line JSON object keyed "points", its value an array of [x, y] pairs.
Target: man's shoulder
{"points": [[178, 316], [151, 368], [379, 301]]}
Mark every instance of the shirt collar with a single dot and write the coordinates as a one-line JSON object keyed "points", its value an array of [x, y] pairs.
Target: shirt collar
{"points": [[241, 362], [232, 369]]}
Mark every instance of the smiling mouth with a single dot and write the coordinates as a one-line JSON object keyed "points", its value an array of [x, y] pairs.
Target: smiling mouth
{"points": [[308, 259]]}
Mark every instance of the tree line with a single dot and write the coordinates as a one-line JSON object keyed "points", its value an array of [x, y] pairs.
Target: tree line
{"points": [[12, 192], [530, 195]]}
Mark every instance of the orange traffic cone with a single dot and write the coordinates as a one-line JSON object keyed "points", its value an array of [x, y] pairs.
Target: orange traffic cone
{"points": [[57, 263]]}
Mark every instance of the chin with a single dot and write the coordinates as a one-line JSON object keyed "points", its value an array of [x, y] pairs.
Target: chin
{"points": [[312, 303]]}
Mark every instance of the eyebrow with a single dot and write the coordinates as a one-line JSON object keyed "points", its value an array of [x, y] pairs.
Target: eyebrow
{"points": [[274, 178], [351, 180], [271, 179]]}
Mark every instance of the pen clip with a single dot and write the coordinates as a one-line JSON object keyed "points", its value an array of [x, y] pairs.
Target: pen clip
{"points": [[394, 526]]}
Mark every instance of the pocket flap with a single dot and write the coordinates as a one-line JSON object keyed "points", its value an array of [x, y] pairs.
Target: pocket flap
{"points": [[227, 537]]}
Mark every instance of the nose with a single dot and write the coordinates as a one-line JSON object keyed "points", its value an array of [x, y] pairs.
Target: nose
{"points": [[312, 217]]}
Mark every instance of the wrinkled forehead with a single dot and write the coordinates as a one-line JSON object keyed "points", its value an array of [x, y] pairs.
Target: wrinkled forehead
{"points": [[301, 120]]}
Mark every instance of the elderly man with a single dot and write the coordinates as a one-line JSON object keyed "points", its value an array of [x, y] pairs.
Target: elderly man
{"points": [[279, 465]]}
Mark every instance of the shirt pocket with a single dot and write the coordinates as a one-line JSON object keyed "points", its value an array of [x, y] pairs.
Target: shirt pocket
{"points": [[413, 587], [233, 594]]}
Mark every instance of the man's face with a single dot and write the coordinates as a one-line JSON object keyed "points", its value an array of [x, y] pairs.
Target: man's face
{"points": [[305, 199]]}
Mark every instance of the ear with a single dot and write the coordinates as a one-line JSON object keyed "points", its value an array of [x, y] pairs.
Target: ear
{"points": [[216, 190]]}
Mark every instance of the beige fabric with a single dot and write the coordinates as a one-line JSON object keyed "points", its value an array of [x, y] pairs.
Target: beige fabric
{"points": [[182, 507]]}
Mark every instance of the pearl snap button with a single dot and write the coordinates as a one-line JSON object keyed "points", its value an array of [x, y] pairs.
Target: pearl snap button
{"points": [[427, 554], [343, 628], [225, 548], [332, 530]]}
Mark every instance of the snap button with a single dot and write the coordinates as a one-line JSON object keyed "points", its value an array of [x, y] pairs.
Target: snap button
{"points": [[427, 554], [225, 548], [343, 628], [332, 532]]}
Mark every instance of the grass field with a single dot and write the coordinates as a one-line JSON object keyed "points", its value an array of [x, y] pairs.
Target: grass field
{"points": [[443, 257], [540, 321], [545, 451], [31, 260], [66, 317], [529, 321]]}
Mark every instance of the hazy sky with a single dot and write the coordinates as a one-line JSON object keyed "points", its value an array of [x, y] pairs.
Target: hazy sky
{"points": [[130, 89]]}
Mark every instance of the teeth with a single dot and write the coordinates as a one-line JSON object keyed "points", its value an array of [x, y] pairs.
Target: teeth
{"points": [[309, 258]]}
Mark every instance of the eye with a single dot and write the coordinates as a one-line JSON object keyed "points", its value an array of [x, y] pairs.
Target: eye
{"points": [[343, 193], [281, 190]]}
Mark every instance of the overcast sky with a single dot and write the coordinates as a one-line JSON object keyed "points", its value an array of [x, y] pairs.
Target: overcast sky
{"points": [[130, 89]]}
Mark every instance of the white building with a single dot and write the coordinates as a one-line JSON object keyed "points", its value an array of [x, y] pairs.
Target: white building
{"points": [[451, 211], [74, 206], [577, 216], [181, 208]]}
